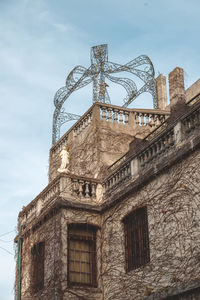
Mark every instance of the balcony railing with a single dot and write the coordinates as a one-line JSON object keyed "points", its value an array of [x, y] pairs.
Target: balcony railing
{"points": [[158, 147], [191, 121], [119, 176], [160, 142], [112, 114], [70, 187]]}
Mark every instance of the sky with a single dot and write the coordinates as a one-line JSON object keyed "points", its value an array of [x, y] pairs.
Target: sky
{"points": [[41, 41]]}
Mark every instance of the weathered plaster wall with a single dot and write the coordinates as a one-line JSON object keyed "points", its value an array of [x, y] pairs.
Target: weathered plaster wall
{"points": [[173, 204], [49, 232], [93, 151], [54, 234]]}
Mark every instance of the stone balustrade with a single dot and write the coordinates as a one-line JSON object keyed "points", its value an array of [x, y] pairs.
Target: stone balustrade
{"points": [[131, 117], [169, 139], [149, 119], [114, 114], [82, 124], [84, 188], [117, 177], [158, 147], [111, 114], [73, 132], [42, 200], [192, 121], [140, 160], [66, 185]]}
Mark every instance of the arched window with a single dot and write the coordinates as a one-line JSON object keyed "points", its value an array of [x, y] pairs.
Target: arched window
{"points": [[136, 239], [82, 254]]}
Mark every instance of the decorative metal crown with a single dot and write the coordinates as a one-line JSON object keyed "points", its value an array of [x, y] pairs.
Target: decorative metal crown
{"points": [[100, 69]]}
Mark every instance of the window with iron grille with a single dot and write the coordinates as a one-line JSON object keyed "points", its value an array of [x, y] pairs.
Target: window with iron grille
{"points": [[136, 239], [37, 252], [81, 254]]}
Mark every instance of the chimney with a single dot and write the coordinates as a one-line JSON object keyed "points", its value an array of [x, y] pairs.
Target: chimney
{"points": [[161, 89], [176, 88]]}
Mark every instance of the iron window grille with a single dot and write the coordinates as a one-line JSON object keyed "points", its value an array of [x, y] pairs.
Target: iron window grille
{"points": [[82, 254], [137, 251], [37, 252]]}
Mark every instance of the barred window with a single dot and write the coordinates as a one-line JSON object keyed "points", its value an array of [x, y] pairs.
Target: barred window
{"points": [[82, 254], [136, 239], [37, 252]]}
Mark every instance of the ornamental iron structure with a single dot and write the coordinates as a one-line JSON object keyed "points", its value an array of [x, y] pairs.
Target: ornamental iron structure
{"points": [[100, 69]]}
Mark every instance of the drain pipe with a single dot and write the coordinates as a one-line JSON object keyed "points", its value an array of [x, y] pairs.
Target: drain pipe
{"points": [[19, 258]]}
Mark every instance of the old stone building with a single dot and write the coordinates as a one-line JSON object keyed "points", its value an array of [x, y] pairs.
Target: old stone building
{"points": [[121, 220]]}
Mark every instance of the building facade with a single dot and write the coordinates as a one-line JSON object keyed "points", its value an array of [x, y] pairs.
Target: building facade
{"points": [[120, 217]]}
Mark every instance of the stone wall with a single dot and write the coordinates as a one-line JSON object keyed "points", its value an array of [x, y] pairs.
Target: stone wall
{"points": [[49, 233], [173, 205]]}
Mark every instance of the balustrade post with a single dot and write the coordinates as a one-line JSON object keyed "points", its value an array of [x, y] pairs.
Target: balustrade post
{"points": [[134, 166], [120, 116], [75, 185], [86, 121], [115, 115], [78, 129], [153, 150], [81, 187], [93, 189], [152, 120], [147, 119], [75, 134], [142, 119], [89, 120], [87, 189], [82, 124], [162, 144], [126, 115], [109, 114], [157, 121], [178, 133], [103, 116]]}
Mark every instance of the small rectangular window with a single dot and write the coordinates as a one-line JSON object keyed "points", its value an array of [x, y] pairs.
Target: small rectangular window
{"points": [[37, 252], [136, 239], [82, 254]]}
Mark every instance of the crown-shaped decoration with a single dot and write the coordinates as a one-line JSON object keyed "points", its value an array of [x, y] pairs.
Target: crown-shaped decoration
{"points": [[99, 70]]}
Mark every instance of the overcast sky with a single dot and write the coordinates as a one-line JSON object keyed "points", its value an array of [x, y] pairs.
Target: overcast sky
{"points": [[40, 42]]}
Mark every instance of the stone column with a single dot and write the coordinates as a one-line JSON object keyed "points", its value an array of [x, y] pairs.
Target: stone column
{"points": [[161, 89]]}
